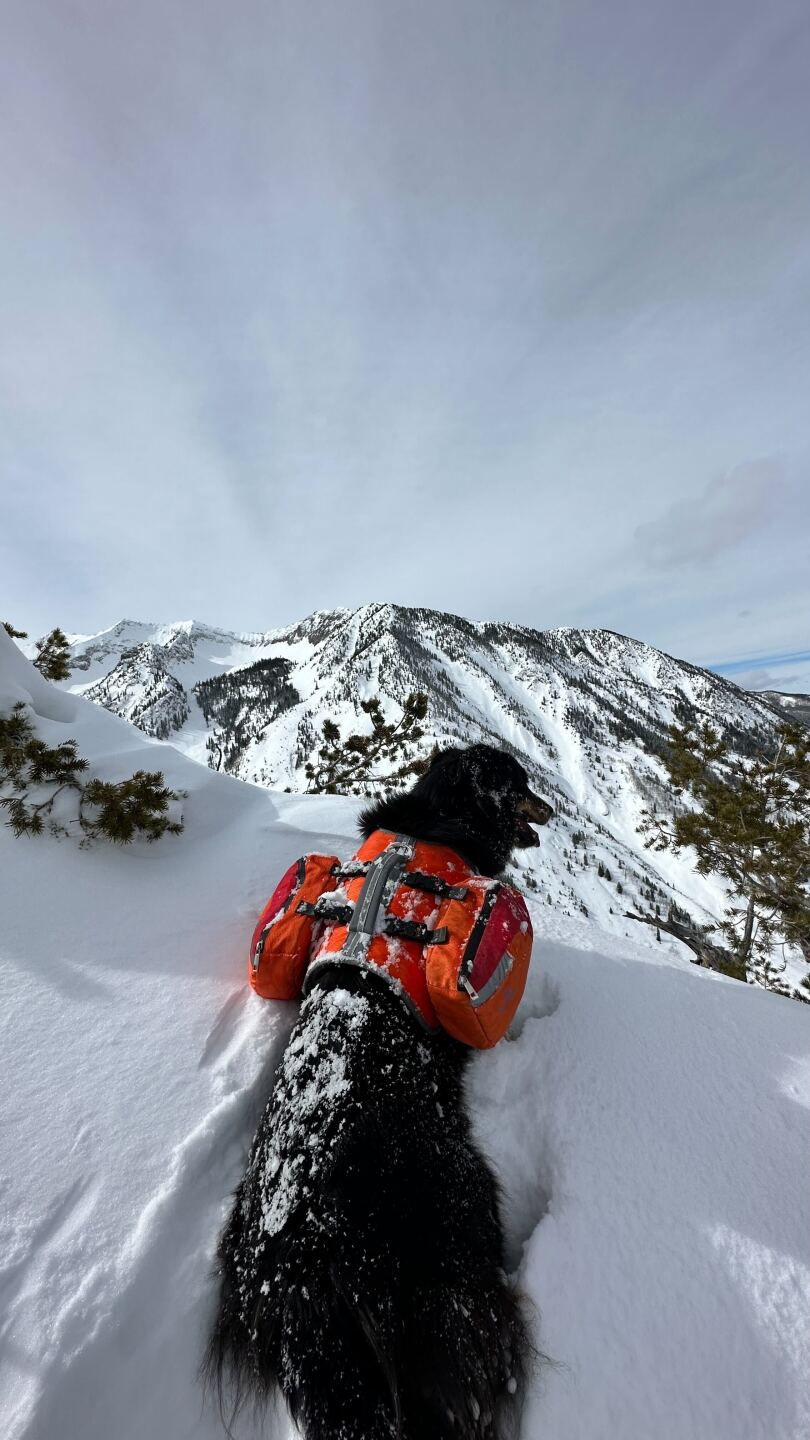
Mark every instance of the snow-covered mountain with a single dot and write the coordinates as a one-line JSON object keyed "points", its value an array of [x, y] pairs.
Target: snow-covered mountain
{"points": [[791, 707], [586, 711], [648, 1122]]}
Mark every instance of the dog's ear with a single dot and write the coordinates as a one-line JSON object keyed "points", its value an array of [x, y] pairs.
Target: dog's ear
{"points": [[442, 757]]}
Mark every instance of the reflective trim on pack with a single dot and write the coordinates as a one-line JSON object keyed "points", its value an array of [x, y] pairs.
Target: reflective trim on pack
{"points": [[499, 974]]}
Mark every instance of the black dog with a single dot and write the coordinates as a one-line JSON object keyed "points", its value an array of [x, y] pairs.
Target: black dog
{"points": [[361, 1270]]}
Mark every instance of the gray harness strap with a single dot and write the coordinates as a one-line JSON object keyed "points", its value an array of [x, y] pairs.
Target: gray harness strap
{"points": [[378, 887], [381, 880]]}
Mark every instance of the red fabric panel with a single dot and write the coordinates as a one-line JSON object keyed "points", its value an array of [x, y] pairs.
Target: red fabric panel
{"points": [[277, 901], [506, 919]]}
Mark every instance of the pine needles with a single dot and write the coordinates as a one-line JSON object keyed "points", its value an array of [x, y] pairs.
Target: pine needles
{"points": [[34, 775]]}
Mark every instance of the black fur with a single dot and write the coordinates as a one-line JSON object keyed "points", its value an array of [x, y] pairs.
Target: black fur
{"points": [[361, 1270], [468, 800]]}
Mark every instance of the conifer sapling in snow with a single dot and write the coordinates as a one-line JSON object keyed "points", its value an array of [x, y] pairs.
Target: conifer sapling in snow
{"points": [[750, 824], [34, 775], [349, 765], [26, 764], [53, 656], [129, 808]]}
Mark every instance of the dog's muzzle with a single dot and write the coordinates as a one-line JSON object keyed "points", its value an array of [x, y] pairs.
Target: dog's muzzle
{"points": [[531, 811]]}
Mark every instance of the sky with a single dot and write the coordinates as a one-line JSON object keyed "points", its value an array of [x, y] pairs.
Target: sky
{"points": [[494, 306]]}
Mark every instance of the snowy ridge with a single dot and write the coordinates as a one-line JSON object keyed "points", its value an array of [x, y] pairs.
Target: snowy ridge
{"points": [[142, 689], [793, 708], [650, 1124], [585, 710]]}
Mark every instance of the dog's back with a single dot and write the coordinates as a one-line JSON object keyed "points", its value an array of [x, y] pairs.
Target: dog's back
{"points": [[362, 1266]]}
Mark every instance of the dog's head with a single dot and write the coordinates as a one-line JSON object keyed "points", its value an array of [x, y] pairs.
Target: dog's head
{"points": [[489, 791], [477, 801]]}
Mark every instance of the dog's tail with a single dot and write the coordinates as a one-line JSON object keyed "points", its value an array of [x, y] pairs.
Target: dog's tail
{"points": [[362, 1268]]}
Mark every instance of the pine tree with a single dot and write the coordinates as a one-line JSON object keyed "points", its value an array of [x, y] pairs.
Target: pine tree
{"points": [[15, 634], [749, 822], [117, 811], [130, 808], [53, 656], [26, 762], [344, 766]]}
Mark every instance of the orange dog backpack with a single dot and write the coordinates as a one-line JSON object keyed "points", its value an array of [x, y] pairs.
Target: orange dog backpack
{"points": [[452, 943]]}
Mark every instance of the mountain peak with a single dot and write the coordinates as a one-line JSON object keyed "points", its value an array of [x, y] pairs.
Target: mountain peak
{"points": [[586, 711]]}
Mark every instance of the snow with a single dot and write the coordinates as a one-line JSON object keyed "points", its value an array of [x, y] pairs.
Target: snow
{"points": [[650, 1123], [658, 1184], [552, 695], [293, 1170]]}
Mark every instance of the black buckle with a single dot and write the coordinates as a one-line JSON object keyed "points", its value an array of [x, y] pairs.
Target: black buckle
{"points": [[434, 885], [400, 929], [324, 910]]}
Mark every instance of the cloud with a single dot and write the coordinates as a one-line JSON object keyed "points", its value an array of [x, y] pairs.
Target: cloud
{"points": [[765, 680], [732, 508], [788, 673], [305, 305]]}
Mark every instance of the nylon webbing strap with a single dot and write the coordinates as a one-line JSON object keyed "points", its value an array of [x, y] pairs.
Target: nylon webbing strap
{"points": [[434, 885], [350, 869], [386, 868], [325, 909], [414, 930]]}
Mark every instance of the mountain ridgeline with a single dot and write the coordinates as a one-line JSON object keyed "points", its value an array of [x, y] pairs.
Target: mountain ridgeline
{"points": [[586, 712]]}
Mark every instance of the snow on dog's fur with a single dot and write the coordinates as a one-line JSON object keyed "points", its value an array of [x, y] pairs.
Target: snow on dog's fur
{"points": [[362, 1267]]}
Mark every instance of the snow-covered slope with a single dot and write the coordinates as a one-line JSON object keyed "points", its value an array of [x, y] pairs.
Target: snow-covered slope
{"points": [[793, 708], [585, 710], [650, 1123]]}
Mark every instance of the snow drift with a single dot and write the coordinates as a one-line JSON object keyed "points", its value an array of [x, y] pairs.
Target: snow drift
{"points": [[651, 1125]]}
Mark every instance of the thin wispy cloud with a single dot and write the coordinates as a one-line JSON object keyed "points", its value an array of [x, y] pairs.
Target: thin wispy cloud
{"points": [[479, 307], [731, 509], [789, 672], [764, 679]]}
